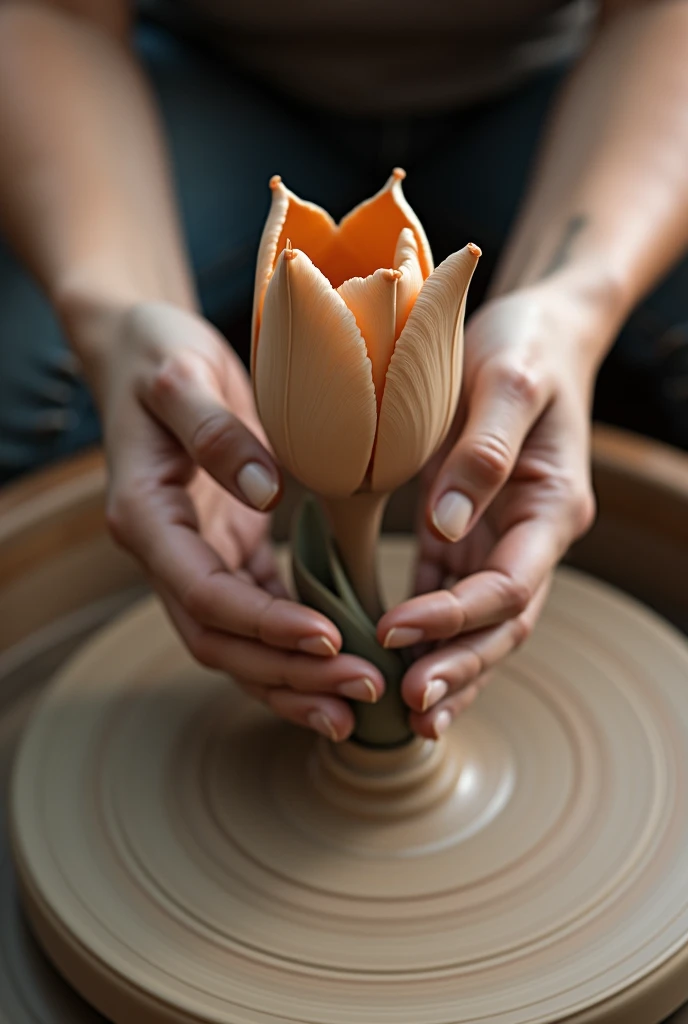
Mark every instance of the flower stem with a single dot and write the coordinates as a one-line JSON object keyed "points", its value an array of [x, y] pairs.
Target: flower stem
{"points": [[355, 523]]}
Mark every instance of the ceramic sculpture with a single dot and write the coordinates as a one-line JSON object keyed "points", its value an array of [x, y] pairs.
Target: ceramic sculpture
{"points": [[357, 354]]}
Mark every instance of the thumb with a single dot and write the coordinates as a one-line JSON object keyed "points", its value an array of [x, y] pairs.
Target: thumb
{"points": [[184, 395], [501, 414]]}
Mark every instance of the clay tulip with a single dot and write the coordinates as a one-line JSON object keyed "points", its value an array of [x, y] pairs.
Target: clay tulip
{"points": [[356, 341]]}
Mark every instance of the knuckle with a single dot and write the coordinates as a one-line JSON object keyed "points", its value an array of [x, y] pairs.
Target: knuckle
{"points": [[472, 664], [489, 459], [515, 595], [202, 649], [197, 602], [520, 383], [521, 630], [119, 514], [263, 629], [574, 503], [285, 678], [171, 377], [216, 436], [455, 612], [583, 511]]}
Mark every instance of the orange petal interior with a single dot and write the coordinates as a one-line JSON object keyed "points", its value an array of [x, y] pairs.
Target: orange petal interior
{"points": [[367, 237], [310, 229], [364, 241]]}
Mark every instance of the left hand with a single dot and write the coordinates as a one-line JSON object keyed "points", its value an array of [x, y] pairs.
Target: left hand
{"points": [[504, 498]]}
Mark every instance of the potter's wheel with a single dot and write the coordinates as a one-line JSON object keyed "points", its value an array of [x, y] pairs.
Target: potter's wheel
{"points": [[186, 858]]}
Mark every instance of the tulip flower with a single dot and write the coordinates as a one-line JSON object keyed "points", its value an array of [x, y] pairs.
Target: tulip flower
{"points": [[357, 343]]}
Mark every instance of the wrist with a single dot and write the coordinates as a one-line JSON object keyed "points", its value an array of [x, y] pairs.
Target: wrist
{"points": [[94, 321], [593, 305], [92, 326]]}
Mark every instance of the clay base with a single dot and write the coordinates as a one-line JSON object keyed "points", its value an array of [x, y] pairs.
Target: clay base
{"points": [[186, 858]]}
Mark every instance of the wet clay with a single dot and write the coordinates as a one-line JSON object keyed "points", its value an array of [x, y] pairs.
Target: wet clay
{"points": [[185, 858]]}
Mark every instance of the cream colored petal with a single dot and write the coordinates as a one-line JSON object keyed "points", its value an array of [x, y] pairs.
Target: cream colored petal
{"points": [[309, 227], [373, 301], [411, 281], [313, 380], [368, 235], [424, 375]]}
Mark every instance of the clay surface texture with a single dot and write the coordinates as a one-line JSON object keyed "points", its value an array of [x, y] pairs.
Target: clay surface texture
{"points": [[186, 858]]}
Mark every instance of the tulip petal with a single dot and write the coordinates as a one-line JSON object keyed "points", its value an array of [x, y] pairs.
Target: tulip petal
{"points": [[373, 301], [313, 380], [424, 375], [367, 236], [411, 281], [307, 225]]}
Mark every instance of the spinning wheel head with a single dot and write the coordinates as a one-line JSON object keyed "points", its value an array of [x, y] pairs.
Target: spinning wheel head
{"points": [[185, 858]]}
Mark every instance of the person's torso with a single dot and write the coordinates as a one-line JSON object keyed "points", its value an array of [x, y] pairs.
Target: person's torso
{"points": [[386, 56]]}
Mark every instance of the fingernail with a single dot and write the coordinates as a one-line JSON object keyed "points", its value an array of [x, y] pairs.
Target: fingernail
{"points": [[319, 721], [257, 484], [359, 689], [452, 514], [402, 636], [434, 691], [442, 722], [319, 645]]}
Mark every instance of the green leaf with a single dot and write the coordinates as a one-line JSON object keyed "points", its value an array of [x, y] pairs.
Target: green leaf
{"points": [[322, 583]]}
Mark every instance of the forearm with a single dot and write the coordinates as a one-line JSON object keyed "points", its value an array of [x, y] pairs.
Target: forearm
{"points": [[85, 197], [607, 211]]}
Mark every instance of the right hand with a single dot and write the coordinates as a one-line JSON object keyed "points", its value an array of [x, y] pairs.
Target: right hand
{"points": [[188, 467]]}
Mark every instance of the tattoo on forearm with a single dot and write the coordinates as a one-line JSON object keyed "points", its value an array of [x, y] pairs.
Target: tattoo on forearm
{"points": [[562, 253]]}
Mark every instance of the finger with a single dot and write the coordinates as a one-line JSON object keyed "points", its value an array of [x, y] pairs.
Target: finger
{"points": [[503, 408], [517, 565], [159, 526], [156, 520], [452, 667], [559, 509], [320, 712], [438, 720], [184, 395], [346, 676], [433, 614], [225, 602]]}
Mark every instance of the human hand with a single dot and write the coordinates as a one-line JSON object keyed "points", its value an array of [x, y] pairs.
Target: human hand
{"points": [[187, 460], [502, 501]]}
